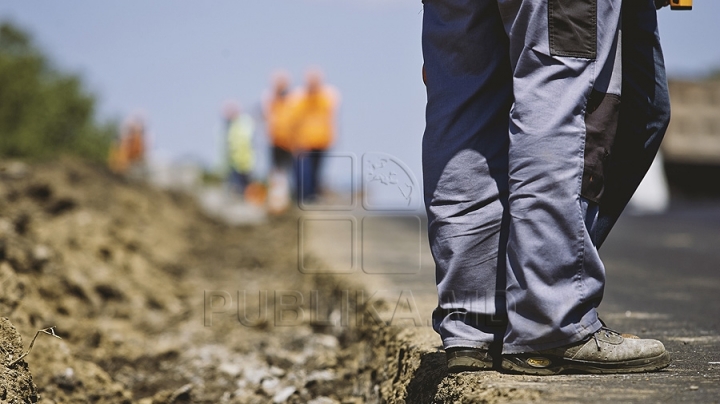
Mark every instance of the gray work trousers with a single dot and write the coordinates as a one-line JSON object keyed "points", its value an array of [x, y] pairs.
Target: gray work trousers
{"points": [[522, 114]]}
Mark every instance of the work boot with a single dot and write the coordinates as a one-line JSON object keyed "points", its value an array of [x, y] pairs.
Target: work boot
{"points": [[461, 359], [605, 351]]}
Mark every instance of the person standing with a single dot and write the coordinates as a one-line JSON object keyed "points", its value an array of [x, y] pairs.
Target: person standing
{"points": [[127, 155], [529, 157], [277, 108], [313, 131], [240, 154]]}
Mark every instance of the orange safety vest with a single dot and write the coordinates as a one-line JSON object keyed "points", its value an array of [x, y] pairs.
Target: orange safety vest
{"points": [[128, 150], [314, 120], [279, 122], [135, 146]]}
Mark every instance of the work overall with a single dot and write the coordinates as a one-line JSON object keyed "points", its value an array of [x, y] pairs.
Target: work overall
{"points": [[542, 118]]}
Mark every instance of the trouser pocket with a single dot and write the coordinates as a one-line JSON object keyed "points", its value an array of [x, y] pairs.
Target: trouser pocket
{"points": [[573, 28]]}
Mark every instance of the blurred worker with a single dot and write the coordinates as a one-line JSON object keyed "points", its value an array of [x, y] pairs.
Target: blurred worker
{"points": [[127, 155], [313, 126], [277, 110], [240, 154]]}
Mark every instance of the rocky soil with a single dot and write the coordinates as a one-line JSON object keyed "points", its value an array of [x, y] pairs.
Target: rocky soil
{"points": [[135, 282]]}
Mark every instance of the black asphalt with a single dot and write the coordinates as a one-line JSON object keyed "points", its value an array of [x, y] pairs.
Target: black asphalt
{"points": [[663, 281]]}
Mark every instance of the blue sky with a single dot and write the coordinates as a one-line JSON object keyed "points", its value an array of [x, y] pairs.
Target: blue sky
{"points": [[178, 61]]}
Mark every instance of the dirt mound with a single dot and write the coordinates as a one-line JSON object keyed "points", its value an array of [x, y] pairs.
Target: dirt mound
{"points": [[126, 273], [16, 384]]}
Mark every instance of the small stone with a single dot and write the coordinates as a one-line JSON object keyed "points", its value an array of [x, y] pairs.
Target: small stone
{"points": [[283, 394], [6, 227], [270, 386], [41, 253], [323, 400], [229, 368], [694, 387], [321, 375], [255, 375], [66, 379], [15, 170], [277, 372], [327, 341]]}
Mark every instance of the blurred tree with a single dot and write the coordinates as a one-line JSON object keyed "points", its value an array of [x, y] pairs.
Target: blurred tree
{"points": [[714, 74], [43, 112]]}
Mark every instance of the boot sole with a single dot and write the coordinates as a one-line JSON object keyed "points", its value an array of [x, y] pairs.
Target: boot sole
{"points": [[546, 365]]}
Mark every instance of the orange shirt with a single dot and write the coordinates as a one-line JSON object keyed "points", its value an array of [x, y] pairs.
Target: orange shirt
{"points": [[130, 149], [278, 115], [313, 119], [135, 146]]}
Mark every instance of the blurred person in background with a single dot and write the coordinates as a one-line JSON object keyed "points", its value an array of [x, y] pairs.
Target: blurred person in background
{"points": [[240, 156], [127, 154], [313, 129], [277, 109]]}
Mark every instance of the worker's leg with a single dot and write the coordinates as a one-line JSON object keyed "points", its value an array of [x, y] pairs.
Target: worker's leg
{"points": [[316, 159], [465, 165], [308, 169], [562, 123], [644, 114]]}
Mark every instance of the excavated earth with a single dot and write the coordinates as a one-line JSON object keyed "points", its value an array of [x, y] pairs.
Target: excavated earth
{"points": [[125, 274]]}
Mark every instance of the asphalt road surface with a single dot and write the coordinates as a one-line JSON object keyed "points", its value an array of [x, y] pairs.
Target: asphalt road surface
{"points": [[663, 281]]}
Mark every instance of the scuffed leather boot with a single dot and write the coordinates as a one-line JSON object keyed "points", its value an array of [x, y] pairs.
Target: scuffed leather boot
{"points": [[605, 351]]}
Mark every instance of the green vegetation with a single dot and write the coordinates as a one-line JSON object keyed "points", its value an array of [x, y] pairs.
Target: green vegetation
{"points": [[714, 74], [43, 112]]}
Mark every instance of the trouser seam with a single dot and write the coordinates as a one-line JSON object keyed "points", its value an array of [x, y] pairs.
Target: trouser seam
{"points": [[581, 232]]}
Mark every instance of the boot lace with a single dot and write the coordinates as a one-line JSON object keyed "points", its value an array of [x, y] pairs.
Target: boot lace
{"points": [[605, 330]]}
